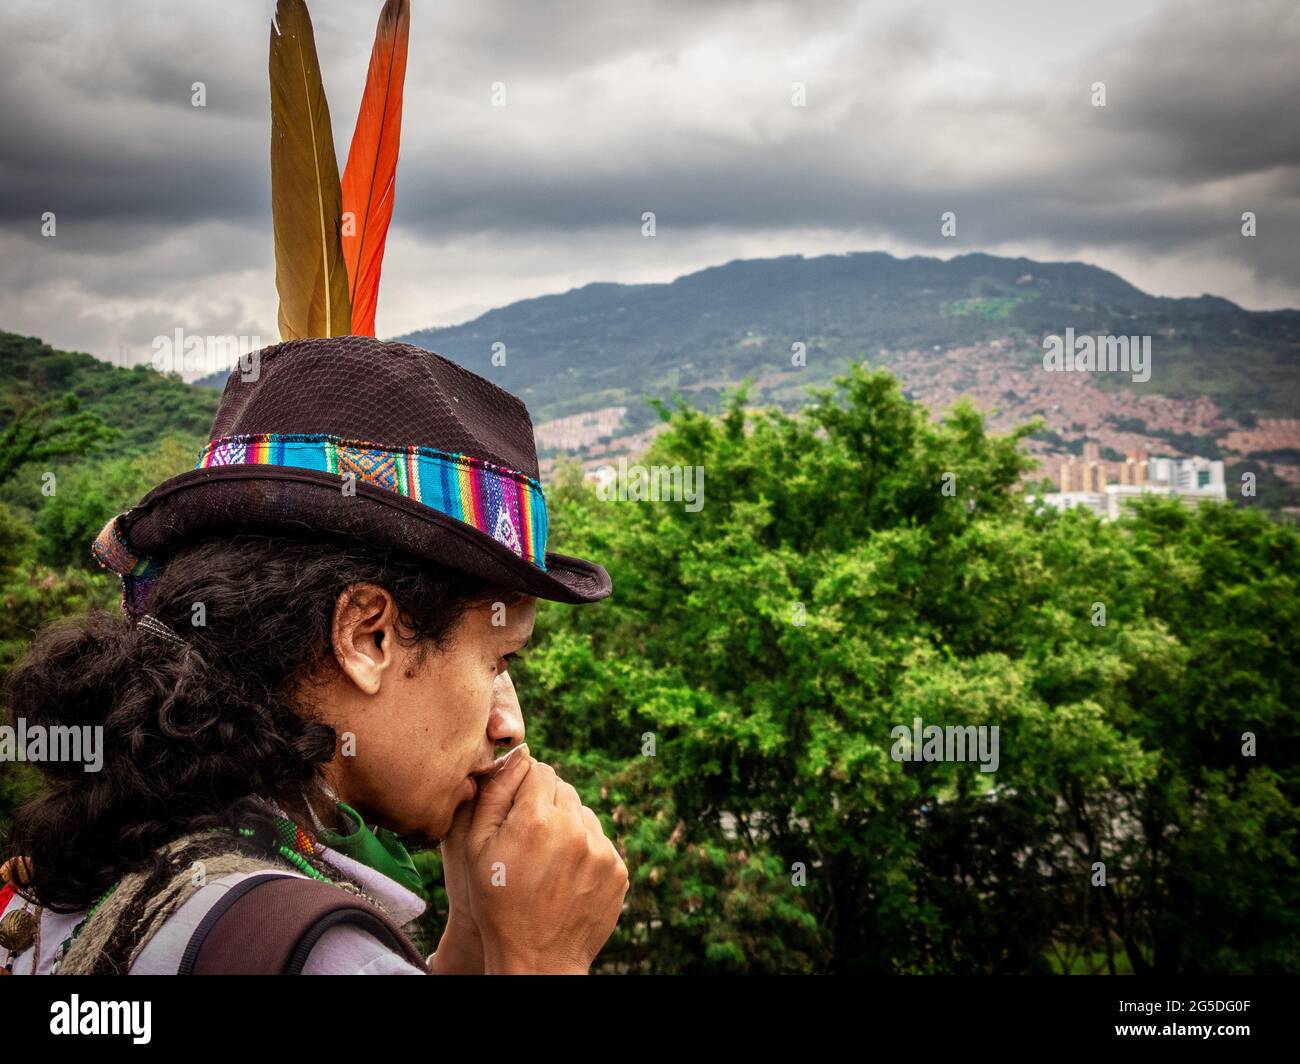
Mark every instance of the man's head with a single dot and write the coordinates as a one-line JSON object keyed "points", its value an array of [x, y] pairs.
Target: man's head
{"points": [[404, 661], [297, 657], [419, 721]]}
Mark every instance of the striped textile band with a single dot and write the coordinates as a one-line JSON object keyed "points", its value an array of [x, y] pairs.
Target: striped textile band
{"points": [[502, 503], [138, 573]]}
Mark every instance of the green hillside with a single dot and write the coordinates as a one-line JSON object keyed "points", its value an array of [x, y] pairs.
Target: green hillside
{"points": [[81, 440], [604, 344], [608, 344], [140, 403]]}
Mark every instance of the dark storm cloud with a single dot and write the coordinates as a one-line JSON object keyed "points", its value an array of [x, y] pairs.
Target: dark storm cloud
{"points": [[1198, 94], [1213, 87], [678, 107]]}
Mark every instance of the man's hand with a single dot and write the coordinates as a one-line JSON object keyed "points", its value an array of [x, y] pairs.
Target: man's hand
{"points": [[538, 879], [460, 950]]}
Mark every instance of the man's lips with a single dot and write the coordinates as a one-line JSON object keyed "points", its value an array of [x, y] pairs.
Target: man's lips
{"points": [[479, 776]]}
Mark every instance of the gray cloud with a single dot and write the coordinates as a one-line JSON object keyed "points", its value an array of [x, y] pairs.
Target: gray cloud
{"points": [[682, 108], [1212, 88]]}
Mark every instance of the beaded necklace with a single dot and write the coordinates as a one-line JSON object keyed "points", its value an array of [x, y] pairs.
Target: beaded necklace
{"points": [[295, 846], [66, 944]]}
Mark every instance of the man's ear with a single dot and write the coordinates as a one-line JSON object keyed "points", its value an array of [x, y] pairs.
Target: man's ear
{"points": [[364, 635]]}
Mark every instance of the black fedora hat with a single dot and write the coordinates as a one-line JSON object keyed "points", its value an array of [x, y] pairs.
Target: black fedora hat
{"points": [[353, 436]]}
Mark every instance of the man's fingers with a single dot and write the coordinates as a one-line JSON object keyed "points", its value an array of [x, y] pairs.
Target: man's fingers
{"points": [[506, 760], [566, 798], [461, 820], [501, 791], [536, 794]]}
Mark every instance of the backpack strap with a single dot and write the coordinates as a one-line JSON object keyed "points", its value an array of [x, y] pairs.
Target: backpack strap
{"points": [[268, 923]]}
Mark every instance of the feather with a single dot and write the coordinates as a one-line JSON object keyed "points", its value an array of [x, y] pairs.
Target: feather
{"points": [[371, 172], [306, 200]]}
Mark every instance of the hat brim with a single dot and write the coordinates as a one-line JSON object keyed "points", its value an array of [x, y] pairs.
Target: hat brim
{"points": [[227, 500]]}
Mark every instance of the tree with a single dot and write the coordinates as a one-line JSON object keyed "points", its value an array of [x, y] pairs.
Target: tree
{"points": [[856, 567], [45, 431], [90, 492]]}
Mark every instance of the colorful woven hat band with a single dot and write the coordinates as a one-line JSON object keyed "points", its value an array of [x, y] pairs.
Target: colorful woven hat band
{"points": [[504, 504], [138, 573], [499, 502]]}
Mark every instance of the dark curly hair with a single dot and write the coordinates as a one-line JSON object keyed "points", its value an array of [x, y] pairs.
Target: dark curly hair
{"points": [[192, 733]]}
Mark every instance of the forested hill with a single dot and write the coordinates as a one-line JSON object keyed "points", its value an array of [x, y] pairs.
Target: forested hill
{"points": [[140, 403], [1224, 382], [607, 344]]}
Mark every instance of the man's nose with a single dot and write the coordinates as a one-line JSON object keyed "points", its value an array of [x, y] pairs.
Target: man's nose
{"points": [[506, 724]]}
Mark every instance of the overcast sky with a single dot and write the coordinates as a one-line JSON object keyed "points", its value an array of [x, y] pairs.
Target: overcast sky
{"points": [[616, 107]]}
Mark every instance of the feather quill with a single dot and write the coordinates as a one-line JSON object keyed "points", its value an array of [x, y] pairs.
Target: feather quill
{"points": [[306, 200], [370, 176]]}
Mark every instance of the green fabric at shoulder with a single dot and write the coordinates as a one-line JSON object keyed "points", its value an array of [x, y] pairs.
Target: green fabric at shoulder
{"points": [[379, 849]]}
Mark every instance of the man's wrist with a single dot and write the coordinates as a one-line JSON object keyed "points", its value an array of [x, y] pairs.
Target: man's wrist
{"points": [[460, 950], [500, 963]]}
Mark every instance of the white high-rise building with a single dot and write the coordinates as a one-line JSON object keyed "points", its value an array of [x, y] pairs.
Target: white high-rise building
{"points": [[1189, 476], [1193, 480]]}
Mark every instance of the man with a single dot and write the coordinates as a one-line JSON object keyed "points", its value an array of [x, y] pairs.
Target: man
{"points": [[320, 621]]}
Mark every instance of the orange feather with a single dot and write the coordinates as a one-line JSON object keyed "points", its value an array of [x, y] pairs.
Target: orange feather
{"points": [[371, 172]]}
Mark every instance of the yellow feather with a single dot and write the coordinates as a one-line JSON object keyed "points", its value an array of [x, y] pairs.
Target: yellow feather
{"points": [[306, 201]]}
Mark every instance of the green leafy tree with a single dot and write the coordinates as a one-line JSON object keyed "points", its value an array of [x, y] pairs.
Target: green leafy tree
{"points": [[90, 492], [42, 432], [855, 567], [31, 596]]}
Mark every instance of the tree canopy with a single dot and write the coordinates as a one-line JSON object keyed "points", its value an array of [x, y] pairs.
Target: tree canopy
{"points": [[731, 707], [857, 568]]}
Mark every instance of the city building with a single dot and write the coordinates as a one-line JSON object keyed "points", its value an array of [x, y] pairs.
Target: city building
{"points": [[1193, 480]]}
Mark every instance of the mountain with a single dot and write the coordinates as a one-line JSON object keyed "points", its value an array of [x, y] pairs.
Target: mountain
{"points": [[603, 344], [1224, 381]]}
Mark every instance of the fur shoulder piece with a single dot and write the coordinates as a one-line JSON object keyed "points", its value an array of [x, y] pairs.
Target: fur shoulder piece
{"points": [[111, 940]]}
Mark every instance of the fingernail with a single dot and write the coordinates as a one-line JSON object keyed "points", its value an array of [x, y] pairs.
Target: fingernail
{"points": [[510, 759]]}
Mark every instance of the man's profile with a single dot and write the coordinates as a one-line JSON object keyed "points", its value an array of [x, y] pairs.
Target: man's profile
{"points": [[313, 666]]}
